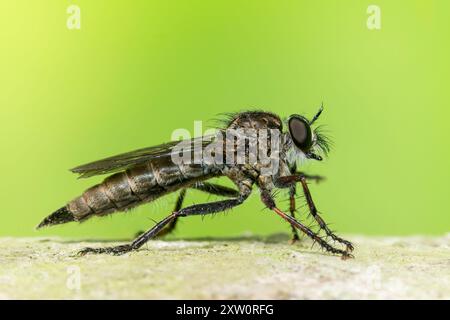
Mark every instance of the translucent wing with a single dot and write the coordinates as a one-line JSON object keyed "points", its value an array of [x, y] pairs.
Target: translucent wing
{"points": [[127, 160]]}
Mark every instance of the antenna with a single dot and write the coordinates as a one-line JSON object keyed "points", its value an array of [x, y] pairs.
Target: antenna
{"points": [[317, 114]]}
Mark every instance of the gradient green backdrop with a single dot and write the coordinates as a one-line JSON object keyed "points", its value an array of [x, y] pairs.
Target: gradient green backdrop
{"points": [[136, 70]]}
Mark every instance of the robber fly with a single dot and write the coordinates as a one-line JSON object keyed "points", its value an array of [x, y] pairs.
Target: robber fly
{"points": [[144, 175]]}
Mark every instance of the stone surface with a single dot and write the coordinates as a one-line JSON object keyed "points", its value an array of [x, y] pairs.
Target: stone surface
{"points": [[241, 268]]}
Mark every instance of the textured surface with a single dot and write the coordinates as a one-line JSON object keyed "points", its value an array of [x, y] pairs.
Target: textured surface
{"points": [[248, 267]]}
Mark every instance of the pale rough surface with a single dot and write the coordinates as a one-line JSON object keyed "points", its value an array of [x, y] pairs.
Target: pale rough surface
{"points": [[243, 268]]}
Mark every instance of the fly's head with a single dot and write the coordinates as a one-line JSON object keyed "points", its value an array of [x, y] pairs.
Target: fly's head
{"points": [[306, 142]]}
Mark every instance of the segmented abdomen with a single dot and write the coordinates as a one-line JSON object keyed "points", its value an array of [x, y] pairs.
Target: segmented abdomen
{"points": [[127, 189]]}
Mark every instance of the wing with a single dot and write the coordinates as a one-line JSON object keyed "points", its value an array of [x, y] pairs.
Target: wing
{"points": [[127, 160]]}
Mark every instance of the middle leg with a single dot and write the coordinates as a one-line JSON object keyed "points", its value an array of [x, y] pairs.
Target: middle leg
{"points": [[173, 223], [292, 210]]}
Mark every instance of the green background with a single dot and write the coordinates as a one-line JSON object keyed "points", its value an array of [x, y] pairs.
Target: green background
{"points": [[137, 70]]}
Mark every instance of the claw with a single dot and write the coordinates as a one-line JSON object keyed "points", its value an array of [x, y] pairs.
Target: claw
{"points": [[84, 251], [320, 179], [346, 256], [349, 247], [293, 240]]}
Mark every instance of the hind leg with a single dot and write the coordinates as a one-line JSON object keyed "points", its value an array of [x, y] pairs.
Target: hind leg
{"points": [[292, 205], [210, 188], [198, 209]]}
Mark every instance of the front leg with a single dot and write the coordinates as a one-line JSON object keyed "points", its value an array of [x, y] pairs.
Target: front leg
{"points": [[292, 204], [314, 177], [292, 194], [268, 200], [288, 181]]}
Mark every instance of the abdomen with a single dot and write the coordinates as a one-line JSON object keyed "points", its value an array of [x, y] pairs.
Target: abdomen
{"points": [[127, 189]]}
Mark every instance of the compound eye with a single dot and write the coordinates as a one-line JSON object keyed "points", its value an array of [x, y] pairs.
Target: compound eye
{"points": [[300, 132]]}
